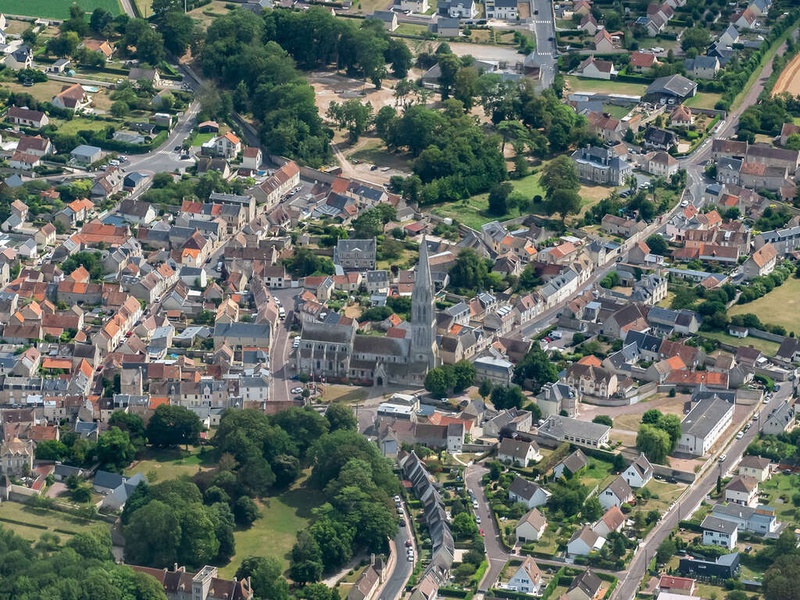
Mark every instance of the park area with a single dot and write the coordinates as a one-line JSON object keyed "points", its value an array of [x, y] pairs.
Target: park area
{"points": [[275, 532], [55, 9], [786, 296], [30, 522], [161, 465]]}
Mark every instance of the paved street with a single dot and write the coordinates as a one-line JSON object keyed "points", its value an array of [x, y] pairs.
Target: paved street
{"points": [[396, 582], [543, 27]]}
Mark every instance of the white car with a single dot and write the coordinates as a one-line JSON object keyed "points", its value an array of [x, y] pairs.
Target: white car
{"points": [[297, 390], [740, 435]]}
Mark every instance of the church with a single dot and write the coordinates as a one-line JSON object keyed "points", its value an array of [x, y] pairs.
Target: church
{"points": [[332, 349]]}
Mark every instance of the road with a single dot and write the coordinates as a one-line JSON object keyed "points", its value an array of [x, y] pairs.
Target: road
{"points": [[165, 159], [543, 26], [280, 357], [396, 582]]}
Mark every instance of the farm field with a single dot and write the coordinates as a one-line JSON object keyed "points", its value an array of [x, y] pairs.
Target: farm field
{"points": [[787, 296], [600, 86], [30, 523], [275, 532], [55, 9]]}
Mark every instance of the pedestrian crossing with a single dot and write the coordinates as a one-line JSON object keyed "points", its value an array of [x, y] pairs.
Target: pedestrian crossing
{"points": [[541, 22]]}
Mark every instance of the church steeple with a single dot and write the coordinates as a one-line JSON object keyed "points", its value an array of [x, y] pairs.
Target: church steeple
{"points": [[423, 317]]}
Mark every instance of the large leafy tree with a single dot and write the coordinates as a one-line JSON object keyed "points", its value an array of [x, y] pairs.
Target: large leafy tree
{"points": [[654, 443], [173, 426]]}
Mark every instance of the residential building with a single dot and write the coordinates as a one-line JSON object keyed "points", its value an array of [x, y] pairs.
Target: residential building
{"points": [[593, 68], [639, 472], [761, 262], [71, 97], [702, 67], [415, 6], [280, 183], [387, 17], [760, 520], [742, 490], [601, 165], [670, 584], [642, 62], [518, 452], [531, 526], [672, 87], [586, 586], [617, 493], [724, 567], [505, 10], [21, 58], [16, 457], [527, 579], [704, 424], [611, 521], [661, 164], [717, 532], [354, 254], [180, 584], [592, 380], [27, 117], [682, 116], [86, 155], [584, 541], [603, 42], [527, 492], [458, 9], [497, 370], [754, 466], [780, 421], [571, 465], [659, 139]]}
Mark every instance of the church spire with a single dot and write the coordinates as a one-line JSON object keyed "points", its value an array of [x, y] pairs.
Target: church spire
{"points": [[423, 317]]}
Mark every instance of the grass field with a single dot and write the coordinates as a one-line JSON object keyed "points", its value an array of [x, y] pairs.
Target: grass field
{"points": [[275, 532], [374, 151], [767, 347], [578, 84], [411, 29], [473, 211], [343, 393], [616, 111], [168, 464], [55, 9], [76, 125], [30, 523], [787, 296], [703, 100], [145, 7]]}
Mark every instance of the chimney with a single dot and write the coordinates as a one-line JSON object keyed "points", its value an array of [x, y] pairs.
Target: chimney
{"points": [[175, 567]]}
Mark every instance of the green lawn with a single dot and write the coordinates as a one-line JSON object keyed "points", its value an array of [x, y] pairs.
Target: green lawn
{"points": [[767, 347], [616, 111], [598, 473], [667, 494], [30, 523], [275, 532], [780, 489], [579, 84], [786, 296], [198, 139], [410, 29], [76, 125], [473, 212], [55, 9], [703, 100], [160, 465]]}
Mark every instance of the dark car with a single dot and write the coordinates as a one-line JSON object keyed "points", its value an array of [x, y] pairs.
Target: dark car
{"points": [[536, 12], [551, 38], [177, 148]]}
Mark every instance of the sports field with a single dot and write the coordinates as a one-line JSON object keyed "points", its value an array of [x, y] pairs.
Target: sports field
{"points": [[55, 9]]}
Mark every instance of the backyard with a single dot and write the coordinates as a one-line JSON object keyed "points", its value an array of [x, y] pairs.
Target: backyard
{"points": [[55, 9], [78, 124], [275, 532], [30, 523], [787, 296], [767, 347]]}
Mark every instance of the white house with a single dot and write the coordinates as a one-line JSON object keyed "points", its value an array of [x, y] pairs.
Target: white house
{"points": [[518, 452], [584, 541], [761, 262], [718, 532], [639, 472], [611, 521], [455, 438], [527, 579], [755, 467], [617, 493], [571, 465], [527, 492], [415, 6], [531, 526], [742, 489], [596, 69], [780, 420], [251, 158]]}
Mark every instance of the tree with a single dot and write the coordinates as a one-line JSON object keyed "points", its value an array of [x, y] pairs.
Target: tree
{"points": [[449, 66], [463, 375], [266, 577], [564, 202], [665, 551], [464, 526], [651, 416], [152, 536], [507, 397], [340, 416], [780, 579], [100, 21], [306, 564], [114, 449], [400, 57], [603, 420], [672, 425], [465, 87], [173, 426], [351, 115], [537, 368], [654, 443], [560, 174], [696, 38], [498, 199], [657, 245], [438, 381], [592, 510], [94, 544], [485, 389], [178, 30], [245, 511], [119, 109], [129, 422]]}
